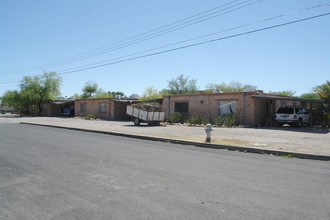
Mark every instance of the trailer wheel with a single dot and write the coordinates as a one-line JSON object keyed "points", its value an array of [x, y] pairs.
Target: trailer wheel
{"points": [[137, 121]]}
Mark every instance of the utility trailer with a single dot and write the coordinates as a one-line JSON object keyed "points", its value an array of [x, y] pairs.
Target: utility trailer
{"points": [[139, 115]]}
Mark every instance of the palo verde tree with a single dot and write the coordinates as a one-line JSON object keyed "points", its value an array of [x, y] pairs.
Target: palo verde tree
{"points": [[92, 90], [233, 86], [182, 85], [150, 93], [288, 92], [89, 89], [33, 90]]}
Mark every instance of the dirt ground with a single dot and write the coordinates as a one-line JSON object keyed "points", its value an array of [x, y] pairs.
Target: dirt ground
{"points": [[290, 139]]}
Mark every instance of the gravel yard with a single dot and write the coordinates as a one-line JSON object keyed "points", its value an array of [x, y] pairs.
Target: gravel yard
{"points": [[291, 139]]}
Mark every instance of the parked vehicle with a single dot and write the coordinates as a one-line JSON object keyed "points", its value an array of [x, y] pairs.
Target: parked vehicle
{"points": [[152, 118], [3, 111], [292, 116]]}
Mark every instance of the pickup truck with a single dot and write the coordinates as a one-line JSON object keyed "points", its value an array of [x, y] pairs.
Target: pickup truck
{"points": [[292, 116]]}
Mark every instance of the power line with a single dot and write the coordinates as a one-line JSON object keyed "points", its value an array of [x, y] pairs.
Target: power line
{"points": [[194, 45], [147, 37], [199, 37], [197, 44], [194, 19]]}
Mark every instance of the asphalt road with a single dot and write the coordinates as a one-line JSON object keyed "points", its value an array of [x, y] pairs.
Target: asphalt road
{"points": [[48, 173]]}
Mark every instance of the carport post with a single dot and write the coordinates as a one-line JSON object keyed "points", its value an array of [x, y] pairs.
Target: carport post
{"points": [[244, 93], [109, 109], [168, 106], [311, 115]]}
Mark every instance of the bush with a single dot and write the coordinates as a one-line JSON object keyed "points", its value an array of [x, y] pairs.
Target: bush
{"points": [[226, 120], [176, 117], [198, 120], [90, 116]]}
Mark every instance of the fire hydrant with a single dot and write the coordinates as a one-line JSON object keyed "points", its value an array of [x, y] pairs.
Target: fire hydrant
{"points": [[208, 130]]}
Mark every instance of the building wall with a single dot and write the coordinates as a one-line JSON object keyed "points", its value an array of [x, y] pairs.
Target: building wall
{"points": [[117, 108], [208, 104], [92, 107], [34, 110]]}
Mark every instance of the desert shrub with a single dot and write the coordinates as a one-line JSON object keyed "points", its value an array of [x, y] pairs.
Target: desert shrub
{"points": [[177, 117], [198, 120], [90, 116], [226, 120]]}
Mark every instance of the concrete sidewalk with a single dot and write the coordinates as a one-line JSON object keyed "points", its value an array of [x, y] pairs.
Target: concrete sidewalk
{"points": [[299, 141]]}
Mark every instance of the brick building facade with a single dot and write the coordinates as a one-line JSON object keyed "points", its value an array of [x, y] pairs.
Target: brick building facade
{"points": [[104, 108], [246, 105]]}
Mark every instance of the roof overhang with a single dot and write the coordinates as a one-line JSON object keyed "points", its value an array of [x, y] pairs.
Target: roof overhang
{"points": [[296, 99], [125, 100], [61, 102]]}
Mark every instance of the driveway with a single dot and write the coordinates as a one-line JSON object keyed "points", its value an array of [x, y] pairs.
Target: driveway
{"points": [[290, 139]]}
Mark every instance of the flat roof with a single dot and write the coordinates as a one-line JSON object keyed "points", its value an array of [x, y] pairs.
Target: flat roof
{"points": [[288, 99]]}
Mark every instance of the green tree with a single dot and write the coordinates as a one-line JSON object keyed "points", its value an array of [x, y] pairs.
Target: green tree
{"points": [[182, 85], [309, 95], [323, 92], [102, 94], [233, 86], [14, 99], [288, 92], [116, 93], [150, 93], [76, 96], [89, 89], [33, 91]]}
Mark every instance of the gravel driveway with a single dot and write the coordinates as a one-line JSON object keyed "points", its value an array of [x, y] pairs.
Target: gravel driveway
{"points": [[298, 140]]}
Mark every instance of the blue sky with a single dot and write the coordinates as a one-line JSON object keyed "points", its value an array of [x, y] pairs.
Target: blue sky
{"points": [[37, 32]]}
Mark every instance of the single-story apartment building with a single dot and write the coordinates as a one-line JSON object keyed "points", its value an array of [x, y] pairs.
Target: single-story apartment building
{"points": [[104, 108], [53, 108], [251, 108]]}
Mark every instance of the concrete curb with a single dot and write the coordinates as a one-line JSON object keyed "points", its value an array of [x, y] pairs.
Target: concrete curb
{"points": [[204, 145]]}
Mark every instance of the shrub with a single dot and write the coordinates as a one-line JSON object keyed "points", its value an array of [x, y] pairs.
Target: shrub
{"points": [[198, 120], [176, 117], [226, 120], [90, 116]]}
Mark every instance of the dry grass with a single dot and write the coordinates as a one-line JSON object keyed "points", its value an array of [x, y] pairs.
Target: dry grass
{"points": [[216, 140]]}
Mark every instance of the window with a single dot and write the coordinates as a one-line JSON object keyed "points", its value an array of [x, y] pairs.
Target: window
{"points": [[227, 107], [102, 107], [285, 111], [181, 107], [44, 107], [82, 107]]}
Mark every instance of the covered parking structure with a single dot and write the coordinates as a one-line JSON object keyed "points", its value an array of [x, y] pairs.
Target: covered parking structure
{"points": [[268, 105]]}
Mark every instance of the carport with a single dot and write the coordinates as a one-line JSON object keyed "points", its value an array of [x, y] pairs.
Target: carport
{"points": [[271, 101], [119, 111]]}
